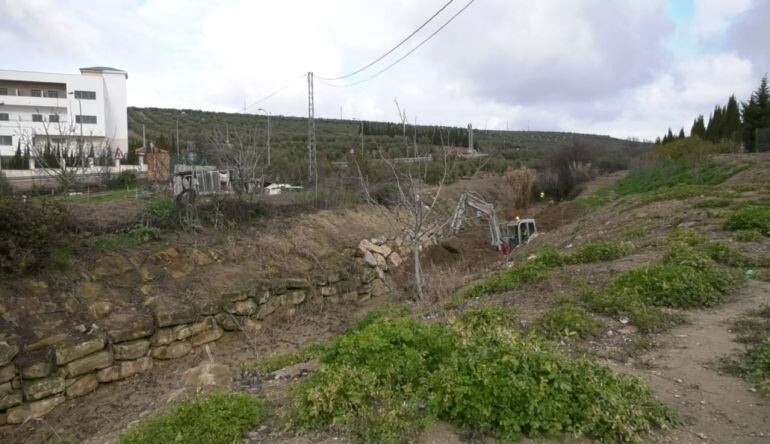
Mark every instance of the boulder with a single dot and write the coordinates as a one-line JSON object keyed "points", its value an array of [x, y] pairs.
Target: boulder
{"points": [[268, 307], [37, 364], [230, 322], [381, 262], [395, 259], [329, 290], [7, 373], [99, 309], [169, 313], [182, 332], [43, 387], [82, 386], [369, 259], [164, 336], [208, 375], [5, 388], [33, 410], [124, 369], [242, 308], [171, 351], [11, 399], [383, 249], [368, 275], [76, 349], [111, 266], [8, 351], [89, 363], [131, 349], [379, 288], [128, 325], [206, 336], [233, 296], [296, 297], [200, 258]]}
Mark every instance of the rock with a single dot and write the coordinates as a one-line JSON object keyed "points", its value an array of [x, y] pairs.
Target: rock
{"points": [[7, 373], [124, 369], [128, 325], [230, 322], [268, 307], [166, 256], [329, 290], [5, 388], [381, 262], [253, 326], [37, 364], [369, 259], [8, 351], [99, 309], [350, 296], [296, 297], [332, 299], [47, 341], [89, 363], [206, 336], [242, 308], [111, 266], [43, 387], [362, 297], [395, 259], [33, 410], [366, 245], [11, 399], [200, 258], [182, 332], [379, 288], [171, 351], [70, 352], [233, 296], [380, 273], [82, 386], [131, 350], [333, 278], [208, 375], [296, 371], [169, 313], [164, 336], [262, 296]]}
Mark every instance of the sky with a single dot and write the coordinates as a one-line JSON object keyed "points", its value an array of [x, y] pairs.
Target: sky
{"points": [[626, 68]]}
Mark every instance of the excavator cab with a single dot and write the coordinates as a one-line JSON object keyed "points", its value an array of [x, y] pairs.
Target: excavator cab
{"points": [[520, 232]]}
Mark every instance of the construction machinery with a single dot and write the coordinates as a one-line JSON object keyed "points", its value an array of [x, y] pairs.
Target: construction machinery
{"points": [[516, 232]]}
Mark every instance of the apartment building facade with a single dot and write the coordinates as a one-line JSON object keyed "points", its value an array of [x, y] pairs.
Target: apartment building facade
{"points": [[63, 109]]}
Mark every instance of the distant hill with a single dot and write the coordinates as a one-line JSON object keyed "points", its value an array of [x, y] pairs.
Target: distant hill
{"points": [[336, 137]]}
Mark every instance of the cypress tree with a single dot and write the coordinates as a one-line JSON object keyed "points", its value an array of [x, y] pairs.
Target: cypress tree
{"points": [[681, 133], [756, 114], [731, 124]]}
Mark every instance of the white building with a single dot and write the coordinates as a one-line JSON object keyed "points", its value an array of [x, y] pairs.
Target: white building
{"points": [[62, 108]]}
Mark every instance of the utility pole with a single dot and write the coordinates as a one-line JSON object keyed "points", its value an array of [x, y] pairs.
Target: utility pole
{"points": [[268, 133], [177, 137], [312, 165]]}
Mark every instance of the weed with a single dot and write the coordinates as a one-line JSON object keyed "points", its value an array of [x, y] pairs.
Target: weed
{"points": [[61, 257], [567, 322], [679, 175], [276, 362], [529, 272], [752, 235], [222, 418], [646, 317], [752, 365], [599, 252], [750, 218], [635, 233], [386, 313], [385, 382], [597, 200], [135, 236]]}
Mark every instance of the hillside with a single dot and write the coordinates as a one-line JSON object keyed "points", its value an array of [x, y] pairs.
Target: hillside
{"points": [[336, 137]]}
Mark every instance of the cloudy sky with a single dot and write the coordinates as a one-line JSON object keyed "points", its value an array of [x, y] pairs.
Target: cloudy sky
{"points": [[628, 68]]}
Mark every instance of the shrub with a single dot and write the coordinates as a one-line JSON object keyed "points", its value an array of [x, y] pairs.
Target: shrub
{"points": [[29, 231], [223, 418], [600, 252], [647, 318], [529, 272], [126, 179], [749, 236], [522, 184], [135, 236], [750, 218], [567, 322], [276, 362], [384, 383], [671, 174]]}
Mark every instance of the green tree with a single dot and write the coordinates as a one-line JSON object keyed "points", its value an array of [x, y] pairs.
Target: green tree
{"points": [[681, 134], [698, 128], [714, 128], [731, 123], [756, 114]]}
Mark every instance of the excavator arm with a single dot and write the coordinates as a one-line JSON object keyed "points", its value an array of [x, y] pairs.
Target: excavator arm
{"points": [[469, 199]]}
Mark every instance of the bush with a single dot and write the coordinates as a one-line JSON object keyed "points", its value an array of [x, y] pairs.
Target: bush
{"points": [[665, 175], [223, 418], [749, 236], [384, 383], [647, 318], [522, 184], [528, 273], [29, 231], [126, 179], [135, 236], [750, 218], [600, 252], [567, 322]]}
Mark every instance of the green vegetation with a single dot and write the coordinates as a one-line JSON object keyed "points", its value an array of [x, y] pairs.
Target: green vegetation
{"points": [[530, 272], [635, 233], [276, 362], [567, 322], [388, 380], [599, 252], [135, 236], [749, 236], [753, 364], [681, 176], [102, 197], [596, 200], [222, 418], [750, 218], [714, 203]]}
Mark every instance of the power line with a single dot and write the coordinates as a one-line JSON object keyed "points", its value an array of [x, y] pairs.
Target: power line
{"points": [[392, 49], [405, 55], [302, 76]]}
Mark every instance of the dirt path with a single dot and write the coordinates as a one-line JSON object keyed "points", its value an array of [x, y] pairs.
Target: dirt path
{"points": [[717, 408]]}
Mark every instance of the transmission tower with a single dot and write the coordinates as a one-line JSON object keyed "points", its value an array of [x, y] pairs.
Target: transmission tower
{"points": [[312, 160]]}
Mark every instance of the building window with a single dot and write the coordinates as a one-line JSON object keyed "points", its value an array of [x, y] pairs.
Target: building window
{"points": [[6, 140], [85, 95], [4, 117], [90, 120], [3, 91], [54, 118], [53, 94], [37, 117], [35, 93]]}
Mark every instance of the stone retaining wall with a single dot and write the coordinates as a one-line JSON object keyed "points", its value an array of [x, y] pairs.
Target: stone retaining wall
{"points": [[37, 377]]}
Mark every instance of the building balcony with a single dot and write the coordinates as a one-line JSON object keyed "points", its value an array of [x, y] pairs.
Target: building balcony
{"points": [[41, 103]]}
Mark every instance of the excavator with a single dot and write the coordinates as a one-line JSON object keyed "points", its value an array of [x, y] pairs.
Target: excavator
{"points": [[517, 232]]}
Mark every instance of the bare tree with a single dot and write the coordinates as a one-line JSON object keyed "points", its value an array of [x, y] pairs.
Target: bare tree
{"points": [[241, 154]]}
